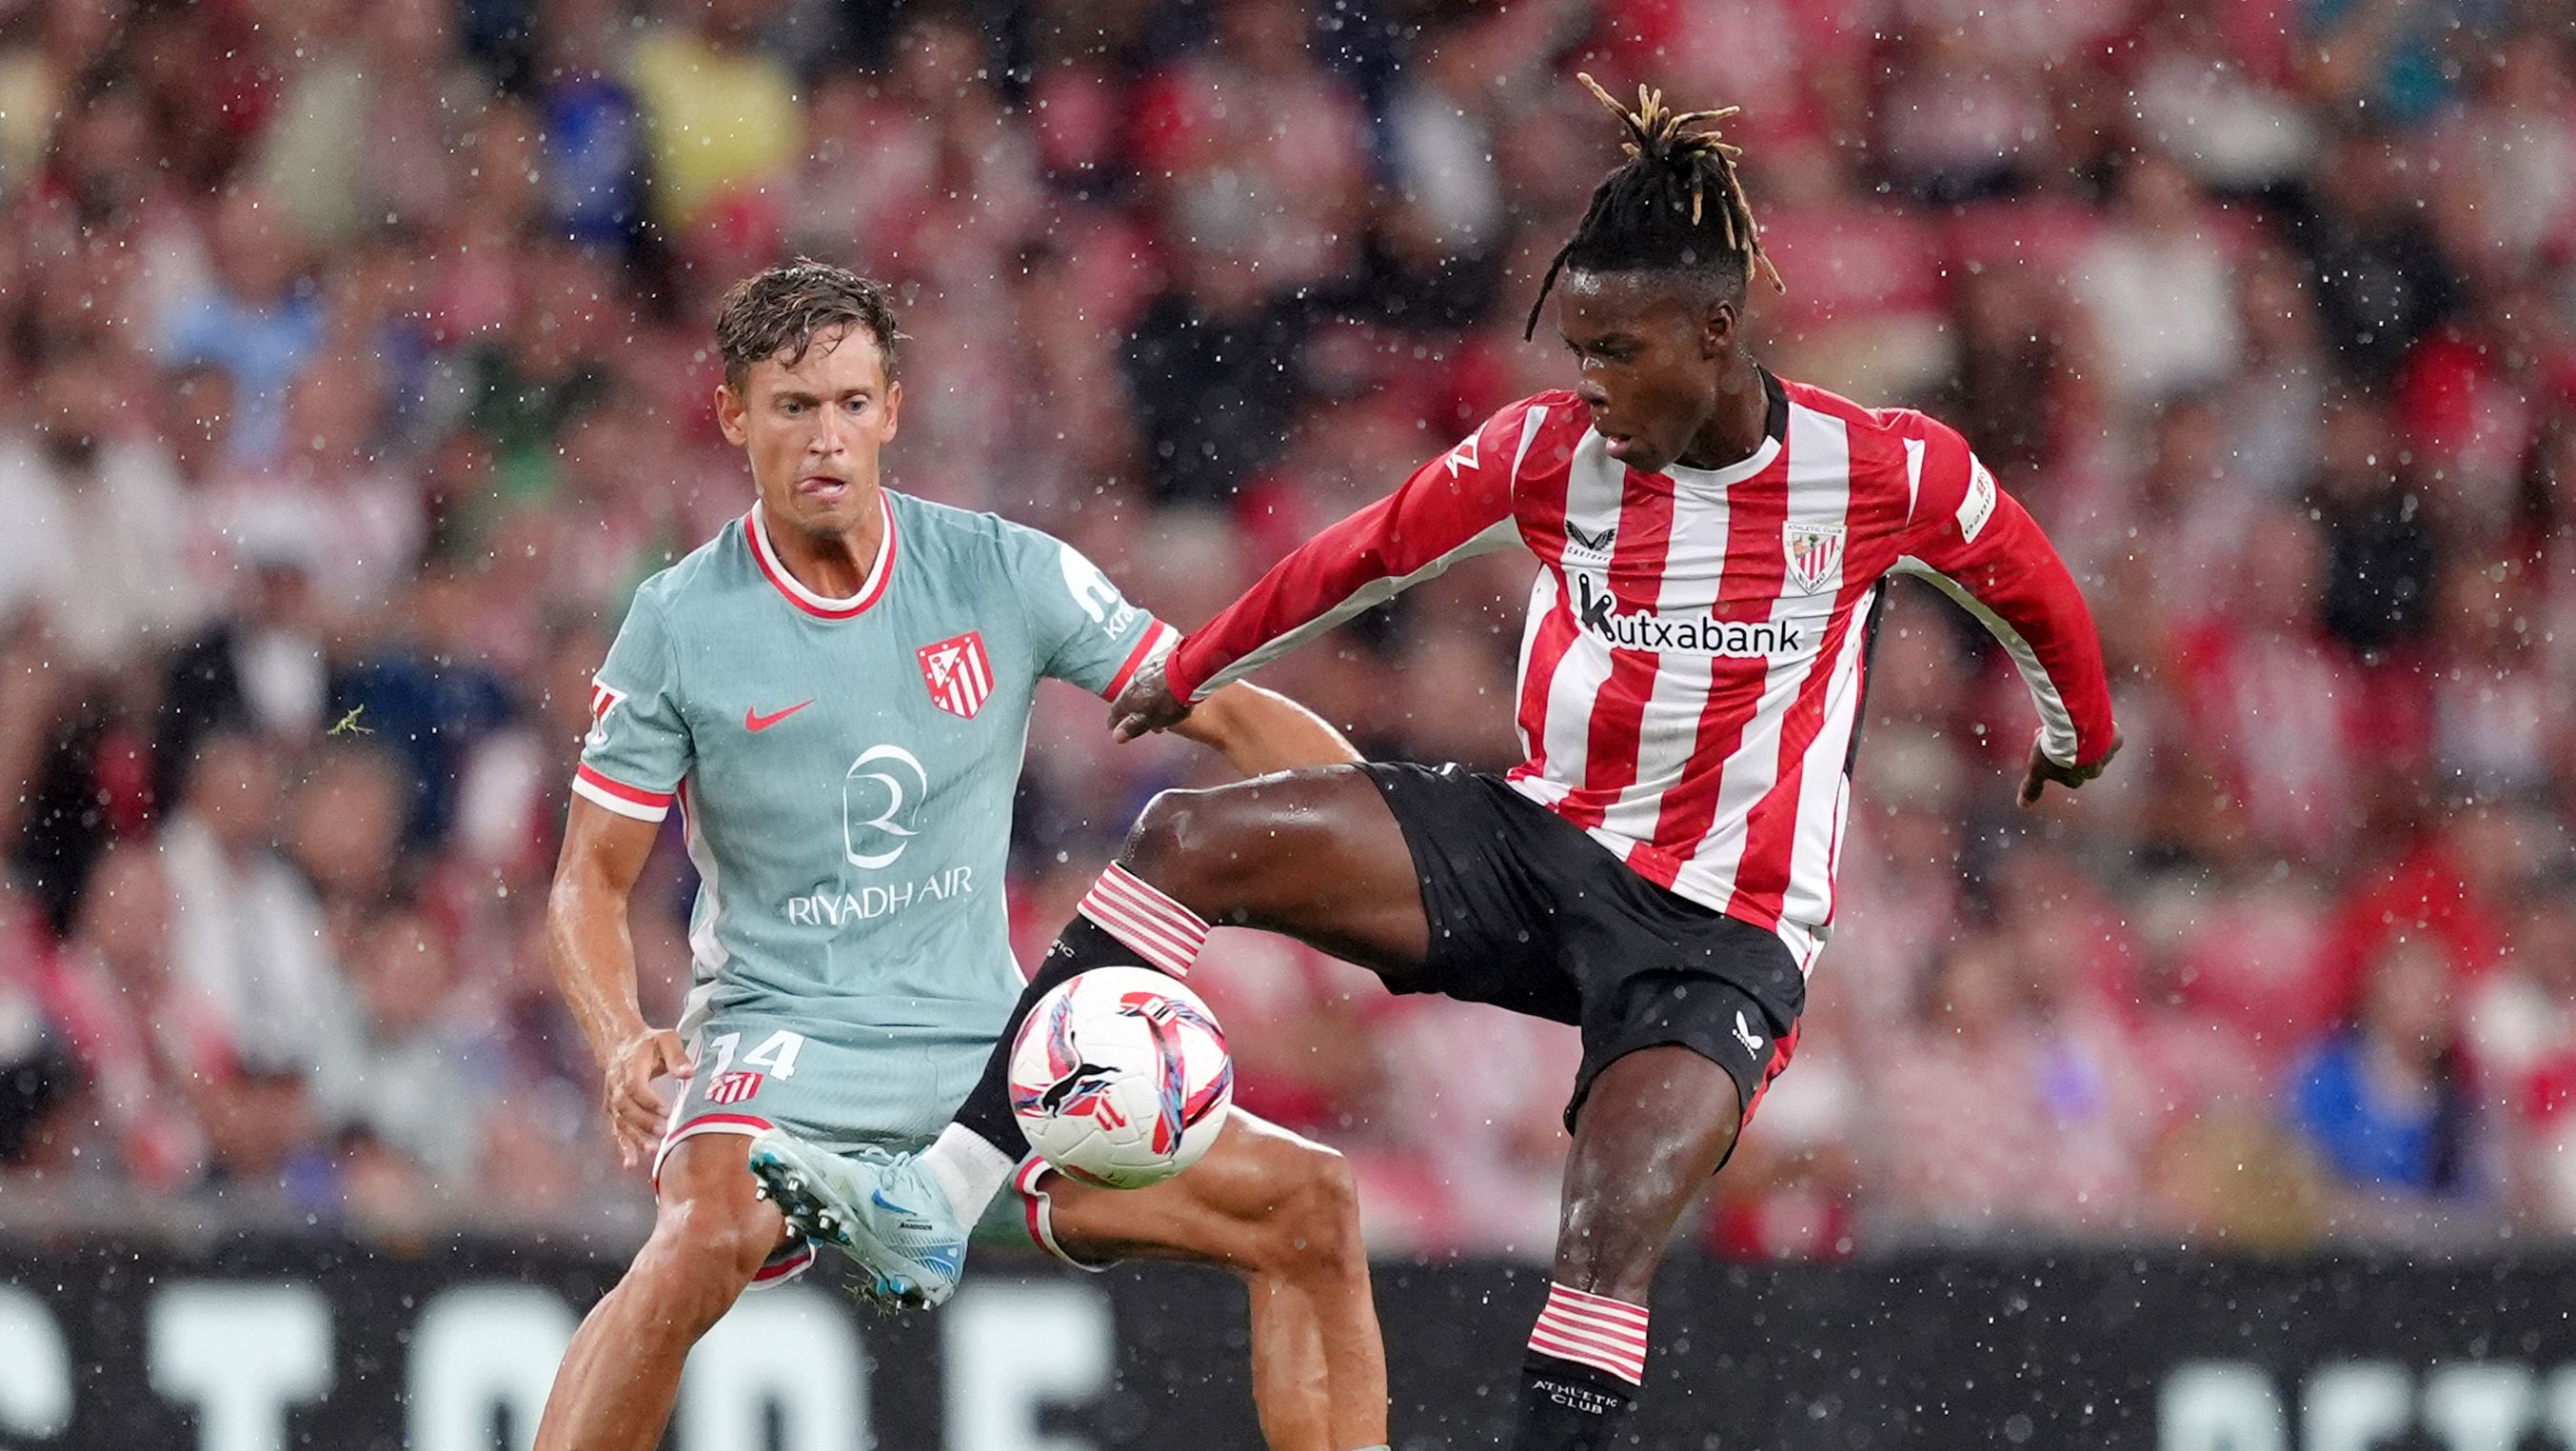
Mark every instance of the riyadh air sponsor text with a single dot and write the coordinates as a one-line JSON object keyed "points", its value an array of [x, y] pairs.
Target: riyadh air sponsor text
{"points": [[836, 906]]}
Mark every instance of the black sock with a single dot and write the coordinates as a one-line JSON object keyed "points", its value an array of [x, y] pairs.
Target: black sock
{"points": [[1569, 1406], [1125, 921], [1082, 946]]}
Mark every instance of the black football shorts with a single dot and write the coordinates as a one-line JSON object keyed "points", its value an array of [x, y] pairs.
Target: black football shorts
{"points": [[1530, 914]]}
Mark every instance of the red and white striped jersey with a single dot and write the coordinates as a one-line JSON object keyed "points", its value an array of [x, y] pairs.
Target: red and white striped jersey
{"points": [[1691, 669]]}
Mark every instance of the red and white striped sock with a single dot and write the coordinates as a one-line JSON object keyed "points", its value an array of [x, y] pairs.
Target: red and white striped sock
{"points": [[1595, 1330], [1164, 933]]}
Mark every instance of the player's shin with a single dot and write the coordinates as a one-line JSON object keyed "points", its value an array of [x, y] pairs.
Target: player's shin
{"points": [[1579, 1380], [1123, 921]]}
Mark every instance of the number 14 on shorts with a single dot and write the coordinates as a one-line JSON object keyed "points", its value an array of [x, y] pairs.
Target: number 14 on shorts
{"points": [[728, 1085]]}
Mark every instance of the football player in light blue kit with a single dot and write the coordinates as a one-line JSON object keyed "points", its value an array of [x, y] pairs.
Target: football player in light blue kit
{"points": [[835, 693]]}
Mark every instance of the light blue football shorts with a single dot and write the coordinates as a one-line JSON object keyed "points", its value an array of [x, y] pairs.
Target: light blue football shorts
{"points": [[842, 1087]]}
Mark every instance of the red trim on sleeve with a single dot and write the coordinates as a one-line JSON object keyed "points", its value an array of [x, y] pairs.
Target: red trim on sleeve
{"points": [[1136, 659], [620, 789]]}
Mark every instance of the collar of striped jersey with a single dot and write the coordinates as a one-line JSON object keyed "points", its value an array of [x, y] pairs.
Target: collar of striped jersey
{"points": [[1775, 435], [755, 528]]}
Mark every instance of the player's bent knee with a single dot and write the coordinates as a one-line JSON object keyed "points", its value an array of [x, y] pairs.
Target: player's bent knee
{"points": [[1220, 851], [703, 1248], [1314, 1226], [1187, 845]]}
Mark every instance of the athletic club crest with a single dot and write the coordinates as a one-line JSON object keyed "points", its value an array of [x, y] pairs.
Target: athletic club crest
{"points": [[958, 674], [734, 1088], [1815, 552]]}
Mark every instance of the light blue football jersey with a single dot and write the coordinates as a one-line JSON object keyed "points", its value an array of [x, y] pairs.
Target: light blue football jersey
{"points": [[845, 768]]}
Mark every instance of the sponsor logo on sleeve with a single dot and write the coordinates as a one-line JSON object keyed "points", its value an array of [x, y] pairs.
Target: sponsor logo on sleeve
{"points": [[1979, 506], [1462, 457], [603, 699], [1092, 590]]}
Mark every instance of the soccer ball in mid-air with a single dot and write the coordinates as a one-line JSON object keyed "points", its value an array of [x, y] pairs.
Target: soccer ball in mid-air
{"points": [[1121, 1078]]}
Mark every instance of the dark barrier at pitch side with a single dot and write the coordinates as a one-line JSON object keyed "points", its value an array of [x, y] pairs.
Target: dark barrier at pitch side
{"points": [[280, 1343]]}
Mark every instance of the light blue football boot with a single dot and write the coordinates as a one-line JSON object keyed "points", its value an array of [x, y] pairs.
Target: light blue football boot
{"points": [[881, 1209]]}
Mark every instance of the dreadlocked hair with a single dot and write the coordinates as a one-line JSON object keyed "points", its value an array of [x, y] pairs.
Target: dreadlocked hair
{"points": [[1676, 203]]}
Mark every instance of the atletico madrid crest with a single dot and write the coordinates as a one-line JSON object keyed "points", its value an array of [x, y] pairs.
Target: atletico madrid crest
{"points": [[958, 674], [734, 1088], [1815, 550]]}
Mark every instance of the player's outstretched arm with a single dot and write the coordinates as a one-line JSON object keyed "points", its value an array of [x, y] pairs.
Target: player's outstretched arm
{"points": [[1456, 506], [594, 963], [1258, 731], [1980, 547]]}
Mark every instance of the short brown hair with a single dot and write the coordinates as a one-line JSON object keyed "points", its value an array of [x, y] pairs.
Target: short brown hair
{"points": [[780, 310]]}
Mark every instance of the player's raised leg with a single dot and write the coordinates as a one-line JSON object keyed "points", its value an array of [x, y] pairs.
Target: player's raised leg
{"points": [[1282, 1211], [1656, 1124], [711, 1234], [1314, 854]]}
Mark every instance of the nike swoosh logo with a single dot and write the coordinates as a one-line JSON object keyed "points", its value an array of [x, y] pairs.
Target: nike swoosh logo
{"points": [[910, 1220], [753, 720]]}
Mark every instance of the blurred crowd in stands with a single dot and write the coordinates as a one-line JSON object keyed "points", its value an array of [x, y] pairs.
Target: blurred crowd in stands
{"points": [[355, 365]]}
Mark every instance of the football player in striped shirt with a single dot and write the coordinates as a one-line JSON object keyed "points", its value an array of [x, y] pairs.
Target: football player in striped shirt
{"points": [[834, 692], [1660, 869]]}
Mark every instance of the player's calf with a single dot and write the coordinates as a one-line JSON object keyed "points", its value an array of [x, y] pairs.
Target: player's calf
{"points": [[710, 1240], [1307, 1227], [1282, 1211], [1655, 1124], [1318, 1367]]}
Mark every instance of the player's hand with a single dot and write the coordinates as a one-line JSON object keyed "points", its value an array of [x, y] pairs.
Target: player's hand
{"points": [[1146, 705], [635, 1111], [2043, 770]]}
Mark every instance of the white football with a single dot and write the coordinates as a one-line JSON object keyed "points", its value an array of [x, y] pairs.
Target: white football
{"points": [[1120, 1077]]}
